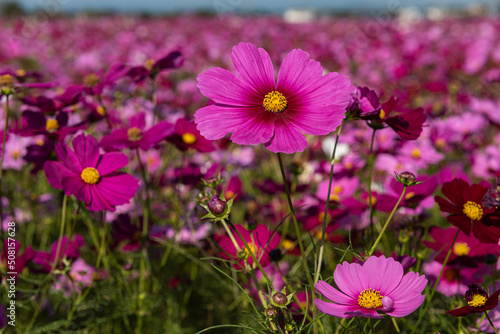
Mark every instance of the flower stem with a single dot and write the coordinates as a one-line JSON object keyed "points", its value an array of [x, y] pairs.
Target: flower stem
{"points": [[387, 222], [370, 164], [61, 232], [371, 324], [250, 251], [297, 229], [420, 317], [323, 235], [7, 110], [491, 322], [103, 240], [231, 236]]}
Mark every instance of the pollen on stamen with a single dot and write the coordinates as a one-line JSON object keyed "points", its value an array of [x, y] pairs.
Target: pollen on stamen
{"points": [[473, 210], [369, 298], [90, 175], [275, 102]]}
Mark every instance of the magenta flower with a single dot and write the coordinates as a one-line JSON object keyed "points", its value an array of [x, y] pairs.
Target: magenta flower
{"points": [[91, 176], [136, 136], [377, 285], [257, 110]]}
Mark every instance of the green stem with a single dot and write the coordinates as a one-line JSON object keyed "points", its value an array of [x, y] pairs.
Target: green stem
{"points": [[323, 235], [297, 229], [7, 111], [61, 232], [370, 202], [103, 240], [387, 222], [231, 236], [371, 325], [420, 317], [250, 251], [491, 322]]}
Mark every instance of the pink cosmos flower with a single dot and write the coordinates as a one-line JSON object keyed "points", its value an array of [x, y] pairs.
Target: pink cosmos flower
{"points": [[377, 285], [91, 176], [136, 136], [256, 109]]}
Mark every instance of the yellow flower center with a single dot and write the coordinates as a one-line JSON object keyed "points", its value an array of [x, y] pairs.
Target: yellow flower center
{"points": [[275, 102], [287, 244], [477, 301], [134, 134], [251, 248], [40, 141], [370, 298], [149, 64], [6, 80], [409, 195], [461, 249], [382, 114], [51, 125], [473, 210], [416, 153], [20, 72], [188, 138], [440, 143], [91, 80], [101, 110], [15, 154], [90, 175], [348, 165]]}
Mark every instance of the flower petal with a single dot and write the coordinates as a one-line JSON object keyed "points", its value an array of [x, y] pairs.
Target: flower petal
{"points": [[297, 71], [254, 66], [86, 149], [110, 162], [384, 274], [256, 130], [287, 138], [347, 278], [215, 121], [68, 158], [334, 295], [117, 188], [408, 296], [335, 309], [227, 88], [156, 134]]}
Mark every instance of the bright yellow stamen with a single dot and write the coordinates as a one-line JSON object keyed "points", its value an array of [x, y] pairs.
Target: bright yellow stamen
{"points": [[416, 153], [337, 189], [374, 200], [188, 138], [287, 244], [149, 64], [134, 134], [461, 249], [275, 102], [477, 301], [90, 175], [473, 210], [335, 197], [51, 125], [251, 247], [382, 114], [91, 80], [409, 195], [20, 72], [101, 110], [370, 298]]}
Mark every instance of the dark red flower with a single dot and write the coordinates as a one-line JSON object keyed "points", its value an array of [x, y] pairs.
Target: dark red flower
{"points": [[467, 251], [477, 300], [464, 204]]}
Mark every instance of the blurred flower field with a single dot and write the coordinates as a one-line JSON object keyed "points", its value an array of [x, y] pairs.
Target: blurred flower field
{"points": [[199, 174]]}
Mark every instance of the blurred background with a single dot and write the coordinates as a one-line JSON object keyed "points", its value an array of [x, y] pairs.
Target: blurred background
{"points": [[287, 7]]}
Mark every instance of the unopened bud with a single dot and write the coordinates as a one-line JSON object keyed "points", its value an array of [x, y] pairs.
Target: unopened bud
{"points": [[407, 178], [490, 259], [280, 299], [216, 205], [271, 313]]}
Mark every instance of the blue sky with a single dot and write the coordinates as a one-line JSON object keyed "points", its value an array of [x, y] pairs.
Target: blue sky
{"points": [[235, 5]]}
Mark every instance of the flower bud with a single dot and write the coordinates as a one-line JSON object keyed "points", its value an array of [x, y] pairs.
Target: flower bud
{"points": [[280, 299], [216, 205], [407, 178], [271, 313]]}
